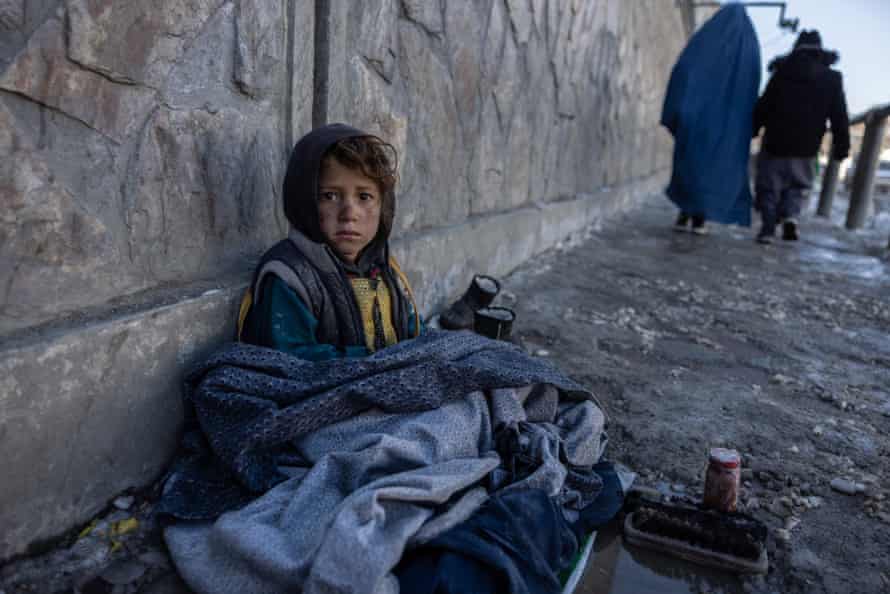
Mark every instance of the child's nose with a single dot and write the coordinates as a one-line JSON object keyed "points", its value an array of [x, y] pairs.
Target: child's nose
{"points": [[349, 209]]}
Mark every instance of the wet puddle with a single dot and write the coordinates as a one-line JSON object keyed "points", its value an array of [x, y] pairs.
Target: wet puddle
{"points": [[617, 568], [866, 267]]}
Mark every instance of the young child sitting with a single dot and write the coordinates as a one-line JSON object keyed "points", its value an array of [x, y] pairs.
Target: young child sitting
{"points": [[331, 288]]}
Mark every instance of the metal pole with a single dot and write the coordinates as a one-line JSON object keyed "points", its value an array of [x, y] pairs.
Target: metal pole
{"points": [[783, 22], [864, 174], [829, 185]]}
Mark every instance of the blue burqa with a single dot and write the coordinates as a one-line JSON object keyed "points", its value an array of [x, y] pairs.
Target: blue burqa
{"points": [[708, 108]]}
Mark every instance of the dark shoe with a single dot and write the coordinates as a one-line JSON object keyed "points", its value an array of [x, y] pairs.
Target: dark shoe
{"points": [[765, 236], [789, 230], [481, 293], [682, 223], [698, 226]]}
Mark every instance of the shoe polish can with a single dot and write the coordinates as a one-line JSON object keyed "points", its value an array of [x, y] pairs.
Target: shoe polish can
{"points": [[722, 480], [494, 322]]}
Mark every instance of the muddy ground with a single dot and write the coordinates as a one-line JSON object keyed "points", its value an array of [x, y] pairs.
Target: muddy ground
{"points": [[782, 352]]}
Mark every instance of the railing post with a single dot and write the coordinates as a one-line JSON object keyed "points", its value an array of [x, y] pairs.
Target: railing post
{"points": [[865, 167], [829, 185]]}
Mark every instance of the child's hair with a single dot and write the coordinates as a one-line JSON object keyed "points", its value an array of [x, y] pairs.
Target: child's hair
{"points": [[376, 159]]}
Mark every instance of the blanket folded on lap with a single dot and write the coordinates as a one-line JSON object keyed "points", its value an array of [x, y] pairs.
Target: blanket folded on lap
{"points": [[317, 477]]}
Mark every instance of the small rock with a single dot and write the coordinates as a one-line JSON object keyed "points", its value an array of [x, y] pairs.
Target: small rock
{"points": [[124, 502], [783, 535], [884, 517], [844, 486], [795, 450], [818, 430], [780, 379], [791, 523], [542, 353], [778, 509]]}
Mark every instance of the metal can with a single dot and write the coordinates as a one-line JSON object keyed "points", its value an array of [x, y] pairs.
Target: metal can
{"points": [[722, 480]]}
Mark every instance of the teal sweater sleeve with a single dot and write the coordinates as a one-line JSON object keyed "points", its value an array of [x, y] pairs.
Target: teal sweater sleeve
{"points": [[286, 324], [413, 322]]}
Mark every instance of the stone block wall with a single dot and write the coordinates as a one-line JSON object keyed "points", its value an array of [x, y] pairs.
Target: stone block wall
{"points": [[142, 147], [503, 109]]}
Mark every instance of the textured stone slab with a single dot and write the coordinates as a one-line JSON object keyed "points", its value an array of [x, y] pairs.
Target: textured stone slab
{"points": [[18, 19], [426, 13], [91, 412], [52, 247], [378, 41], [521, 19], [441, 263], [436, 154], [205, 189], [12, 14], [260, 45], [463, 27], [134, 42], [43, 73]]}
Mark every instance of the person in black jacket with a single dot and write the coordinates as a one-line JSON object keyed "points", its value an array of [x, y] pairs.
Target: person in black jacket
{"points": [[801, 95]]}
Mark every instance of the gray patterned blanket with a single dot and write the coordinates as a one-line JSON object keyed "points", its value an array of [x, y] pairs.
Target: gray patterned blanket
{"points": [[347, 463]]}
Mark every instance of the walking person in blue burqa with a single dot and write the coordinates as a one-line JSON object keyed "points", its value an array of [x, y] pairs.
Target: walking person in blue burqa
{"points": [[708, 108]]}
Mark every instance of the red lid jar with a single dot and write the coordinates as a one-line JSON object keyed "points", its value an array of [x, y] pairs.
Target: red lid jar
{"points": [[722, 480]]}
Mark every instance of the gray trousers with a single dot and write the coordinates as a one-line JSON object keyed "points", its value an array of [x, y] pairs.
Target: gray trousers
{"points": [[782, 185]]}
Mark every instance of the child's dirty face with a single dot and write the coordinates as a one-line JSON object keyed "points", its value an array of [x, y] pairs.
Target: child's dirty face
{"points": [[349, 205]]}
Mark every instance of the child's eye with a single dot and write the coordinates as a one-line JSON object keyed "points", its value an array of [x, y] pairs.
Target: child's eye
{"points": [[327, 196], [365, 197]]}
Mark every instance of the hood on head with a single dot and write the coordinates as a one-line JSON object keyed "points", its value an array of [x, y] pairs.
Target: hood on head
{"points": [[803, 64], [806, 59], [808, 40], [300, 190]]}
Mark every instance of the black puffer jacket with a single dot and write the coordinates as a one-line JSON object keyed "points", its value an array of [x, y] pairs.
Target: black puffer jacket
{"points": [[801, 95]]}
